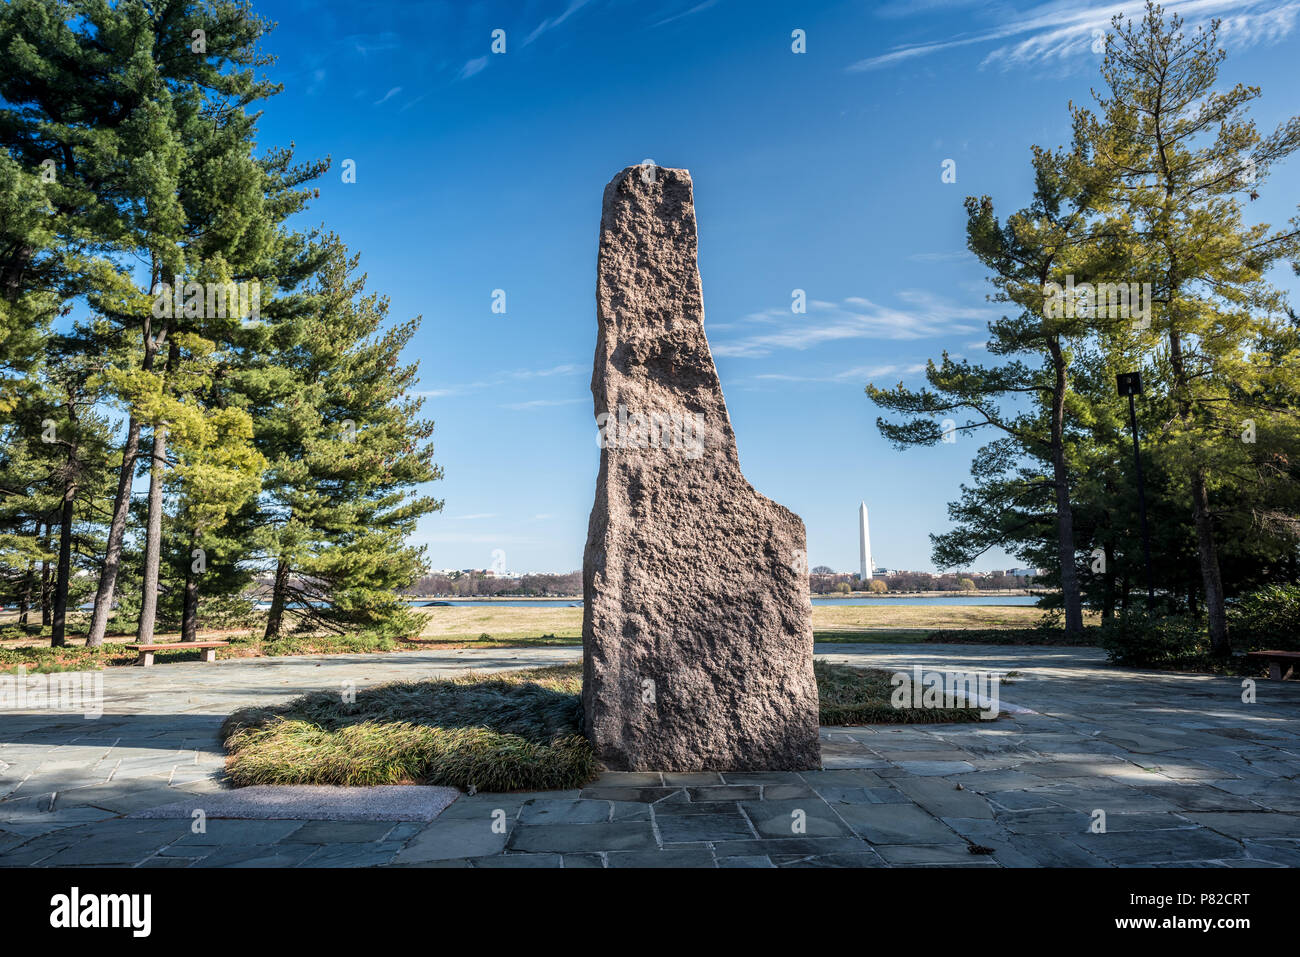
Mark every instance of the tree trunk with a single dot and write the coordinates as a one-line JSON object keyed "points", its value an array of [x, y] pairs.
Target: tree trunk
{"points": [[153, 524], [116, 531], [190, 609], [190, 614], [45, 577], [1210, 575], [25, 599], [275, 617], [122, 501], [1070, 593], [153, 537], [1209, 556], [58, 636], [1108, 586], [1202, 517]]}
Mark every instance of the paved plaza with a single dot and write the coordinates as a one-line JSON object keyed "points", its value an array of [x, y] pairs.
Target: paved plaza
{"points": [[1179, 769]]}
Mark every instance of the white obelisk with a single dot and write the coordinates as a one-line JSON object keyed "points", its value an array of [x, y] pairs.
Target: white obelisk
{"points": [[865, 544]]}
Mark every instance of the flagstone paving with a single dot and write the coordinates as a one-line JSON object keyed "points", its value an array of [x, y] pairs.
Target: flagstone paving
{"points": [[1178, 767]]}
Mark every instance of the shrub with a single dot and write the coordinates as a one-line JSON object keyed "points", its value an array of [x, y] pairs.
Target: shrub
{"points": [[1044, 634], [1141, 640], [1268, 618]]}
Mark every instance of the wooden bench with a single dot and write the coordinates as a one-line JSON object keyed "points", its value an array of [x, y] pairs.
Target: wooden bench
{"points": [[209, 649], [1276, 661]]}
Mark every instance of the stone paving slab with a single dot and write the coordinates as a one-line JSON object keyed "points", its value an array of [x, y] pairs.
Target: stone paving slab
{"points": [[590, 838], [1185, 773], [313, 802], [452, 839], [734, 825]]}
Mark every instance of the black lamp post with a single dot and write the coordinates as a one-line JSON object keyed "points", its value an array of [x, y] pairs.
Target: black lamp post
{"points": [[1130, 384]]}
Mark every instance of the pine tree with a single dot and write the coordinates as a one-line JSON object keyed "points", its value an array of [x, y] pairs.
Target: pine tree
{"points": [[29, 465], [81, 438], [346, 449], [29, 288], [1021, 495], [1184, 154], [144, 126], [54, 466]]}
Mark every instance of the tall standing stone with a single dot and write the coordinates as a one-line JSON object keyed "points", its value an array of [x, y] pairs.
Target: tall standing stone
{"points": [[697, 625]]}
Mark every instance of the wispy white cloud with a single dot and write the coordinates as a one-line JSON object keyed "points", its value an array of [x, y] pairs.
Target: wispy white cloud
{"points": [[389, 95], [478, 538], [956, 255], [472, 67], [1062, 28], [499, 380], [923, 316], [471, 518], [540, 403], [698, 8], [900, 9], [364, 44], [856, 374], [550, 23]]}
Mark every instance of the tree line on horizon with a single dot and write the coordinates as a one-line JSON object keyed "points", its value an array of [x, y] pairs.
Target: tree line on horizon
{"points": [[823, 580], [1146, 205], [477, 584], [271, 431]]}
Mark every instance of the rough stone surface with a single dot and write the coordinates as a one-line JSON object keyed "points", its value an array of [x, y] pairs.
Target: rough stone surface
{"points": [[697, 627]]}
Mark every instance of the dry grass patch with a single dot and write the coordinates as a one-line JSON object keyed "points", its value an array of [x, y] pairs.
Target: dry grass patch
{"points": [[851, 695], [456, 622], [902, 616], [513, 731]]}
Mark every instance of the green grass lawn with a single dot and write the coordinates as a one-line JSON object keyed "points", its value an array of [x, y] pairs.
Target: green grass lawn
{"points": [[863, 637], [507, 732]]}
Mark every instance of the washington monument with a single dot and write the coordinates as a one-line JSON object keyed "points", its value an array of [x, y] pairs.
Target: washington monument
{"points": [[864, 544]]}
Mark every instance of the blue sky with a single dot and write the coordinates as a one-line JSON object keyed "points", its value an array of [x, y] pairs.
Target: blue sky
{"points": [[818, 171]]}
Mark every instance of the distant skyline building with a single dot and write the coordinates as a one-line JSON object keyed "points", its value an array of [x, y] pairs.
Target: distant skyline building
{"points": [[864, 544]]}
